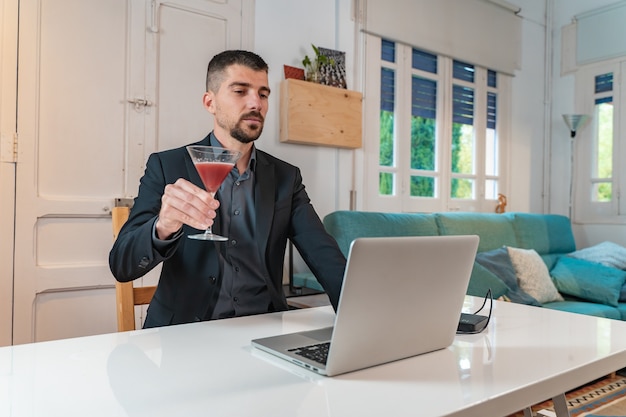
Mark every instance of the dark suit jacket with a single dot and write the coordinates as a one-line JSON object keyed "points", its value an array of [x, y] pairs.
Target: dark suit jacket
{"points": [[191, 275]]}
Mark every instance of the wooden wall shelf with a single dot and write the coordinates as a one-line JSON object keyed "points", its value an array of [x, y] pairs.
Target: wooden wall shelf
{"points": [[315, 114]]}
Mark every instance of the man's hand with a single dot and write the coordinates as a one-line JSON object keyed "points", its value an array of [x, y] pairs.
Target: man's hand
{"points": [[185, 203]]}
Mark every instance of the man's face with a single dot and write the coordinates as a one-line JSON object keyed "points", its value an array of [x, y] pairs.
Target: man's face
{"points": [[240, 105]]}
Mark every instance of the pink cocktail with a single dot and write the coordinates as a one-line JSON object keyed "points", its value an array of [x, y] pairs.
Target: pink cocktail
{"points": [[213, 165], [213, 174]]}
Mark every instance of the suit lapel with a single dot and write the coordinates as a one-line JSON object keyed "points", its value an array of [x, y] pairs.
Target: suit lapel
{"points": [[264, 191]]}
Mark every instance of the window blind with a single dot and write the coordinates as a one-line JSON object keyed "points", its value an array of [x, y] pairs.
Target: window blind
{"points": [[491, 110], [462, 105], [424, 98], [474, 31], [601, 33], [387, 89], [604, 83]]}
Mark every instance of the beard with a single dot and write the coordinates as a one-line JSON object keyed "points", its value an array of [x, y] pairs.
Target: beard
{"points": [[247, 134]]}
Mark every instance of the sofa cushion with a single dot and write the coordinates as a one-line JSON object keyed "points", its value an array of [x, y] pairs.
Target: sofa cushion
{"points": [[605, 253], [533, 275], [345, 226], [545, 233], [483, 280], [494, 230], [588, 280], [498, 262], [622, 310]]}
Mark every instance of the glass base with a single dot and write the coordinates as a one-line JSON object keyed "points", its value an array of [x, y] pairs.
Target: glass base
{"points": [[208, 236]]}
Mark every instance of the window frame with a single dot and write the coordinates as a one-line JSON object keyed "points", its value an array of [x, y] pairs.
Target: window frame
{"points": [[401, 201], [585, 210]]}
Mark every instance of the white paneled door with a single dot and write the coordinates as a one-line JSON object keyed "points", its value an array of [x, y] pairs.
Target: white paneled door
{"points": [[102, 84]]}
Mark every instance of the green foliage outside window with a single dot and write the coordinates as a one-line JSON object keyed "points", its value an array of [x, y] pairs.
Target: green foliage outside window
{"points": [[462, 159], [424, 156], [385, 179], [386, 139], [604, 190]]}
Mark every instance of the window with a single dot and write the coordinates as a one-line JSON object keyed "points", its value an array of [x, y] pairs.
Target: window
{"points": [[435, 124], [598, 179], [602, 174]]}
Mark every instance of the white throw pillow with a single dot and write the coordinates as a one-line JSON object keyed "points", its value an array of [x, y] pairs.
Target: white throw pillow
{"points": [[533, 275]]}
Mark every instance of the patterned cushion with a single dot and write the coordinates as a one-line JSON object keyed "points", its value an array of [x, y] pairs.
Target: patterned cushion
{"points": [[533, 275]]}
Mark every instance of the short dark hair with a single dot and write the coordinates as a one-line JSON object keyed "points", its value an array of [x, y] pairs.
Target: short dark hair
{"points": [[220, 62]]}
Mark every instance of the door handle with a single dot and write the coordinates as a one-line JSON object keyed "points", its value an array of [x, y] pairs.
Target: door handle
{"points": [[139, 103]]}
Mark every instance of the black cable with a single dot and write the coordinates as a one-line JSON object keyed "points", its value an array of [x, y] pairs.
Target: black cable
{"points": [[478, 311]]}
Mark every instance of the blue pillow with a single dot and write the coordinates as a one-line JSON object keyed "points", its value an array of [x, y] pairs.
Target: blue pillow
{"points": [[498, 262], [590, 281], [483, 280]]}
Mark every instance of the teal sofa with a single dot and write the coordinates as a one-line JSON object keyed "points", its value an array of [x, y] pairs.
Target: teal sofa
{"points": [[549, 235]]}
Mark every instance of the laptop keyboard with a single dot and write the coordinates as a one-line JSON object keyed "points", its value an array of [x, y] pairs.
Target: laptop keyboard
{"points": [[317, 353]]}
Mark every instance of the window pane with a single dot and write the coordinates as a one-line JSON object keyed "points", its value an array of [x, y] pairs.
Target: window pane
{"points": [[462, 151], [424, 61], [462, 188], [463, 71], [603, 192], [491, 189], [385, 183], [424, 98], [387, 89], [423, 144], [387, 104], [492, 78], [462, 105], [388, 51], [422, 186], [603, 161], [491, 142], [605, 140], [424, 113], [386, 139], [491, 110], [604, 83]]}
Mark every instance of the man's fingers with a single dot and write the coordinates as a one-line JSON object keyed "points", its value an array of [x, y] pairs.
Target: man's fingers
{"points": [[185, 203]]}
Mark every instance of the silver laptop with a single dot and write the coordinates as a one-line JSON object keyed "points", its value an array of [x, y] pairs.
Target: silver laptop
{"points": [[401, 297]]}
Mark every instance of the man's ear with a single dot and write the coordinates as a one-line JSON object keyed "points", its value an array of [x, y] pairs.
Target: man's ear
{"points": [[208, 101]]}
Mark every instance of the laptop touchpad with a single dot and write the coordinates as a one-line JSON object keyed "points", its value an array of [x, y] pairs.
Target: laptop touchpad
{"points": [[320, 334]]}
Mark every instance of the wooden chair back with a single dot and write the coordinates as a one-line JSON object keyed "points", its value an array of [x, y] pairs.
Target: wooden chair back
{"points": [[126, 294]]}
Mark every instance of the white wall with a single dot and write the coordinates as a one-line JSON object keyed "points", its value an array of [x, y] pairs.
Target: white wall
{"points": [[528, 113], [563, 102], [284, 32]]}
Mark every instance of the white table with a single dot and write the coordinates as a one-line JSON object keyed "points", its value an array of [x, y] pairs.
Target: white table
{"points": [[527, 355]]}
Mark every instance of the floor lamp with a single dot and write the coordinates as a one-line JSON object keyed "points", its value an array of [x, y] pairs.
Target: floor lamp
{"points": [[573, 122]]}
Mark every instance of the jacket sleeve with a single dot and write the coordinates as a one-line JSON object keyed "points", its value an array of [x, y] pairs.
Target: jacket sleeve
{"points": [[133, 253], [316, 246]]}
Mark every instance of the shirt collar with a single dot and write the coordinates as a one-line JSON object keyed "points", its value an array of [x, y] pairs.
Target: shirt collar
{"points": [[213, 141]]}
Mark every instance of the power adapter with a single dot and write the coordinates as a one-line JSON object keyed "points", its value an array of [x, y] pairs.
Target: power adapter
{"points": [[470, 323]]}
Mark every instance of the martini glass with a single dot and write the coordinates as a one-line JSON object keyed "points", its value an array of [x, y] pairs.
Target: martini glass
{"points": [[213, 165]]}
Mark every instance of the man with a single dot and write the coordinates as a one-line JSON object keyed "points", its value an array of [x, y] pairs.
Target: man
{"points": [[260, 205]]}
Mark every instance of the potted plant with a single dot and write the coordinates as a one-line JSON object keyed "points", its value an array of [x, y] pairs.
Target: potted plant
{"points": [[312, 67]]}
